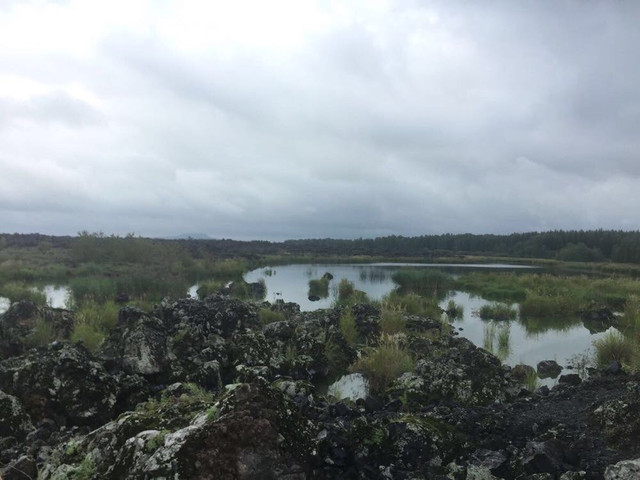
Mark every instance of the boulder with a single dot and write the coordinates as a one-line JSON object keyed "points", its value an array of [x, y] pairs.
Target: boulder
{"points": [[60, 381], [139, 343], [570, 379], [14, 421], [625, 470], [253, 431], [548, 369]]}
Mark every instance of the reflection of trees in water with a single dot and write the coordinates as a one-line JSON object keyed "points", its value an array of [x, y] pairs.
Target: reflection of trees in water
{"points": [[497, 339]]}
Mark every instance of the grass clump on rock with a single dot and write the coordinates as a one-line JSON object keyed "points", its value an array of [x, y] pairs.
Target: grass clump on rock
{"points": [[347, 325], [614, 346], [383, 364], [269, 316], [392, 319]]}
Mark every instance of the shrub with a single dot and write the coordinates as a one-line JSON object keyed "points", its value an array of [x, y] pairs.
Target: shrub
{"points": [[269, 316], [614, 346], [348, 327], [497, 311], [384, 364]]}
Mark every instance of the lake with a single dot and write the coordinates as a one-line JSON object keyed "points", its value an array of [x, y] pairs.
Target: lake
{"points": [[517, 341]]}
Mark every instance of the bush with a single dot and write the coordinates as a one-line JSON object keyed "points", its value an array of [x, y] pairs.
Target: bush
{"points": [[614, 347], [497, 311], [384, 364]]}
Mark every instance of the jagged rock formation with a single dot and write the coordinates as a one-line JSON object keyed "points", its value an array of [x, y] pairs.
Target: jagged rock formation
{"points": [[202, 389]]}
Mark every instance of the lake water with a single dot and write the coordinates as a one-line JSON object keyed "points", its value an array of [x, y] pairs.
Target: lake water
{"points": [[57, 296], [518, 341]]}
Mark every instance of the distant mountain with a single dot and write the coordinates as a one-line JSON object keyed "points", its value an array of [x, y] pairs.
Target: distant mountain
{"points": [[187, 236]]}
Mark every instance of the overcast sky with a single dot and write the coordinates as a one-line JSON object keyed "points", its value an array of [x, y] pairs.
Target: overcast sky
{"points": [[297, 119]]}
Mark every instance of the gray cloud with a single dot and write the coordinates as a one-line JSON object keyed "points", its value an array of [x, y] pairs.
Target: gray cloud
{"points": [[404, 118]]}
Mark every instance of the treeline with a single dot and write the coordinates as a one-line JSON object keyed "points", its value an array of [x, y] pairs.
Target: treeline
{"points": [[568, 245], [571, 245]]}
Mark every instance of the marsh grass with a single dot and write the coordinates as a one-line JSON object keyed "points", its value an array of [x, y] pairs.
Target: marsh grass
{"points": [[209, 287], [384, 363], [346, 289], [542, 295], [392, 319], [347, 326], [94, 322], [454, 310], [17, 291], [319, 287], [425, 281], [614, 346], [497, 311], [43, 333], [413, 304]]}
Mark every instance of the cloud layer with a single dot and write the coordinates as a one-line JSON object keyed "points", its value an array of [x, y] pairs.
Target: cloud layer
{"points": [[292, 119]]}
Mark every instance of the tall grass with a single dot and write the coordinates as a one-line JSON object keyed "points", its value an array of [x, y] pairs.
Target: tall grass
{"points": [[385, 363], [319, 287], [16, 292], [94, 321], [269, 316], [413, 304], [392, 319], [543, 295], [425, 281], [347, 325], [346, 289], [497, 311], [614, 346], [209, 287]]}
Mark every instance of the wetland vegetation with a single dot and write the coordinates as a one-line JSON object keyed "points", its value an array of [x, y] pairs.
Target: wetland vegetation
{"points": [[408, 331]]}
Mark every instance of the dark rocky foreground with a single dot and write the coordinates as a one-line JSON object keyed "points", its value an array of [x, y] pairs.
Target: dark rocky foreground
{"points": [[201, 389]]}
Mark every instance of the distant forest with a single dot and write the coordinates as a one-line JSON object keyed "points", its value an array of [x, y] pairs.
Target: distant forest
{"points": [[570, 245]]}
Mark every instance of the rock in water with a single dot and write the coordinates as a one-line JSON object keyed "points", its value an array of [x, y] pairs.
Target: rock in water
{"points": [[548, 369]]}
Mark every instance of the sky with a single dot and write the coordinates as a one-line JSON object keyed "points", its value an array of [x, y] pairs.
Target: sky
{"points": [[313, 119]]}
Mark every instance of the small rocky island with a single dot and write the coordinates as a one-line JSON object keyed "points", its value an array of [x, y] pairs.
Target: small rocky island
{"points": [[203, 389]]}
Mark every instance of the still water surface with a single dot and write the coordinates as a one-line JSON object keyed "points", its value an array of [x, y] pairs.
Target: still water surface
{"points": [[518, 341]]}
